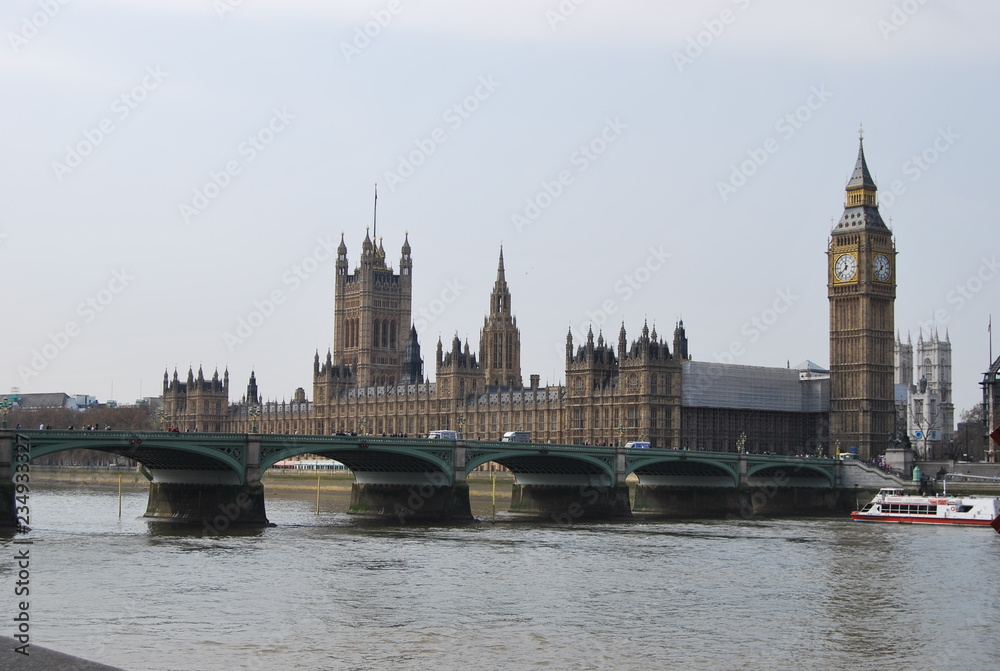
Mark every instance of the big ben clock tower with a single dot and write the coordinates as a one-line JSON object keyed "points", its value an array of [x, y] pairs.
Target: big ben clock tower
{"points": [[862, 288]]}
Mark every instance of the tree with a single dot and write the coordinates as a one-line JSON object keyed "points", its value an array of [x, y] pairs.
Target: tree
{"points": [[925, 416], [124, 418]]}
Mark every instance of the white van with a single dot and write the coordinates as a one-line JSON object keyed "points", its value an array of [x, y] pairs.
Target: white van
{"points": [[638, 445], [442, 435], [516, 437]]}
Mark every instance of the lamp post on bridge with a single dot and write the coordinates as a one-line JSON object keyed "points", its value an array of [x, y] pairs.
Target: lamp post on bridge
{"points": [[254, 415], [161, 417], [5, 406], [461, 427], [621, 435]]}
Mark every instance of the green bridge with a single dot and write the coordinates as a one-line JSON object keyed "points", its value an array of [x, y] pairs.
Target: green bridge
{"points": [[201, 477]]}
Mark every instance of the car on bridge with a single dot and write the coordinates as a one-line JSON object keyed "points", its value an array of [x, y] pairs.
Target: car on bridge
{"points": [[638, 444]]}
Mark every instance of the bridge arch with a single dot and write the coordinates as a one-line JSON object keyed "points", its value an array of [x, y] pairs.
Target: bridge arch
{"points": [[677, 469], [159, 452], [369, 458], [545, 464], [798, 474]]}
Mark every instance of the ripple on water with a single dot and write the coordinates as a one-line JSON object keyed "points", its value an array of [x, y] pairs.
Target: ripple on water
{"points": [[327, 592]]}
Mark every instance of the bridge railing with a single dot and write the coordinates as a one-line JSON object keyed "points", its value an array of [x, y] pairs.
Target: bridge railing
{"points": [[103, 434], [299, 440]]}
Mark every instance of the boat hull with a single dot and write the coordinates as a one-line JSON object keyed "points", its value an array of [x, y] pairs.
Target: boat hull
{"points": [[908, 519], [893, 504]]}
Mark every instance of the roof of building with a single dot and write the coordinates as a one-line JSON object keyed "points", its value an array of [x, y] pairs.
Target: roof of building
{"points": [[46, 400], [719, 385], [861, 177], [864, 214]]}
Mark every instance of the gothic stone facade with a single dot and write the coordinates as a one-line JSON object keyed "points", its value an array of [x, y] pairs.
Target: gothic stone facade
{"points": [[372, 382], [927, 403]]}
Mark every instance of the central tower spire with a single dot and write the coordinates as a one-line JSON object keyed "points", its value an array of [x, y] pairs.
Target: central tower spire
{"points": [[861, 189], [500, 340]]}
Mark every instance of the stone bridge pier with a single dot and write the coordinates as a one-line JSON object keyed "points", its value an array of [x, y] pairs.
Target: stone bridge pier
{"points": [[561, 483], [217, 499], [408, 488], [212, 480]]}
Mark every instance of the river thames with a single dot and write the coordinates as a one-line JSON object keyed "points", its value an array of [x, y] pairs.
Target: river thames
{"points": [[329, 591]]}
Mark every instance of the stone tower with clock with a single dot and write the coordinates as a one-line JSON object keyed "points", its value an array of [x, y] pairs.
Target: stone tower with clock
{"points": [[862, 290]]}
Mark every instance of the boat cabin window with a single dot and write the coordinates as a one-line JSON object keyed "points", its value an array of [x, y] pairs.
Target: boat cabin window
{"points": [[908, 509]]}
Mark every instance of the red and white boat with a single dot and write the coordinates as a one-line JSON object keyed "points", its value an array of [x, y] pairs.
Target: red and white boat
{"points": [[895, 505]]}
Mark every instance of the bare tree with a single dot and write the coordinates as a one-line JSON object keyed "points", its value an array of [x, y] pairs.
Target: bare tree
{"points": [[133, 417], [925, 419]]}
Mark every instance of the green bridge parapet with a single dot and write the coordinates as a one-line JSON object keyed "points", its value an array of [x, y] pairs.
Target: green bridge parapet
{"points": [[191, 473]]}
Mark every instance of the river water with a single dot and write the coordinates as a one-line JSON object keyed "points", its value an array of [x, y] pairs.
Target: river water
{"points": [[329, 591]]}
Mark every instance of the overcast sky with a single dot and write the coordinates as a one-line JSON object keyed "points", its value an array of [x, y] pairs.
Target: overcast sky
{"points": [[171, 167]]}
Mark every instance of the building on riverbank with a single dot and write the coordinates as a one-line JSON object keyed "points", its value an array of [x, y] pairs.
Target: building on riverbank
{"points": [[643, 389]]}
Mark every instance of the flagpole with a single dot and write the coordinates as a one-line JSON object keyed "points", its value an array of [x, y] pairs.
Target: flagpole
{"points": [[990, 396], [375, 215]]}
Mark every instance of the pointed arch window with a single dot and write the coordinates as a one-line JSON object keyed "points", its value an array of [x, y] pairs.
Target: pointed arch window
{"points": [[633, 382]]}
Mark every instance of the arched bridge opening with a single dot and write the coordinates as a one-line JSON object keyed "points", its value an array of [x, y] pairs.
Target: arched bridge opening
{"points": [[548, 467], [394, 479], [684, 473], [371, 460], [164, 457], [789, 475], [560, 483]]}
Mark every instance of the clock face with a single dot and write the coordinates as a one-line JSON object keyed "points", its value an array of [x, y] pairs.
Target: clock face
{"points": [[882, 268], [846, 267]]}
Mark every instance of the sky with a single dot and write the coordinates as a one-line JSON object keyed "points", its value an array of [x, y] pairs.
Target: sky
{"points": [[177, 173]]}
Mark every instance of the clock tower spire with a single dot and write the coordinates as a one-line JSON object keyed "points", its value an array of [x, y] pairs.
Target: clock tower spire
{"points": [[862, 290]]}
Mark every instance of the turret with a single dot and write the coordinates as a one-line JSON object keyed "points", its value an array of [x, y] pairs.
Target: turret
{"points": [[252, 392], [413, 364], [342, 266], [405, 260], [367, 250], [680, 341]]}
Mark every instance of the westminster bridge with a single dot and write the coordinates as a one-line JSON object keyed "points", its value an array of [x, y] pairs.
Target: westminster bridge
{"points": [[198, 476]]}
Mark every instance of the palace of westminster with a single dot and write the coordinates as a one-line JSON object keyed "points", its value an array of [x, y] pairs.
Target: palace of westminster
{"points": [[641, 389]]}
